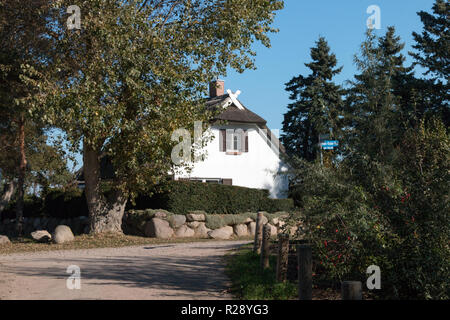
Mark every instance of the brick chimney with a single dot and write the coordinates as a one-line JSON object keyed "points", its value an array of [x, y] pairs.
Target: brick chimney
{"points": [[216, 88]]}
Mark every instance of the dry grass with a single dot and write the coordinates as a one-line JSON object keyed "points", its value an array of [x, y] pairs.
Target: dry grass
{"points": [[86, 241]]}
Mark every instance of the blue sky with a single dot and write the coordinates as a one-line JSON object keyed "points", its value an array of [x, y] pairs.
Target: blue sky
{"points": [[301, 22]]}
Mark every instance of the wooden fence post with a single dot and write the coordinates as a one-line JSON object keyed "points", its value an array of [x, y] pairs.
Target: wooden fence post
{"points": [[258, 233], [304, 256], [265, 247], [283, 255], [351, 290]]}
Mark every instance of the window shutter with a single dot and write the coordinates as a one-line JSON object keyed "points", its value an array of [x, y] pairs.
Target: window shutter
{"points": [[246, 141], [229, 140], [223, 140]]}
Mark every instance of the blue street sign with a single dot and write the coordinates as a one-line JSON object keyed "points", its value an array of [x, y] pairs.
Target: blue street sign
{"points": [[329, 144]]}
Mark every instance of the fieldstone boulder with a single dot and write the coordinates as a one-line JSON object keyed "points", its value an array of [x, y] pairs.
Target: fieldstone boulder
{"points": [[4, 240], [62, 234], [158, 228], [273, 230], [248, 220], [264, 220], [252, 228], [293, 230], [194, 224], [41, 236], [160, 215], [202, 231], [184, 232], [224, 233], [177, 220], [195, 217], [241, 230]]}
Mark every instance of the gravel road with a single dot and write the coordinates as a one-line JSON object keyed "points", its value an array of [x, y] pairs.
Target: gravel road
{"points": [[168, 271]]}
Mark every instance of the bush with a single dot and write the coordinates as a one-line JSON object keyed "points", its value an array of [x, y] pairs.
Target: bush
{"points": [[390, 214], [32, 207], [65, 204], [182, 196]]}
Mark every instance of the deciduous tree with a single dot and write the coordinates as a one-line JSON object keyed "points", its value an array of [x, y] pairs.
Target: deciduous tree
{"points": [[135, 72]]}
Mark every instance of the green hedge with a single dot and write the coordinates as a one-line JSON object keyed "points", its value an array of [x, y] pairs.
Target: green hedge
{"points": [[183, 196], [65, 204], [57, 204], [32, 207]]}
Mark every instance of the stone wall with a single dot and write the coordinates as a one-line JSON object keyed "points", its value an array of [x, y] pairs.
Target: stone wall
{"points": [[159, 224], [164, 225], [78, 225]]}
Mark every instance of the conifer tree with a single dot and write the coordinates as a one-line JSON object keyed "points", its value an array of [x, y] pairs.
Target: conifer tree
{"points": [[316, 104], [432, 50]]}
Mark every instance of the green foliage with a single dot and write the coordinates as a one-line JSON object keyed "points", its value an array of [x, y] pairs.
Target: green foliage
{"points": [[249, 282], [432, 45], [385, 202], [182, 196], [316, 106], [65, 203], [32, 207], [397, 220], [432, 53]]}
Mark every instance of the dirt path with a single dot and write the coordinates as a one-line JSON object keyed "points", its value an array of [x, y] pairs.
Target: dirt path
{"points": [[170, 271]]}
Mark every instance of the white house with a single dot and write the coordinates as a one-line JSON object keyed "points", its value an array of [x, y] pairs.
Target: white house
{"points": [[244, 151]]}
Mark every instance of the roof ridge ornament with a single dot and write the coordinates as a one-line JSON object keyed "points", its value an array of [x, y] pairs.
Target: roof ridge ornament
{"points": [[233, 97]]}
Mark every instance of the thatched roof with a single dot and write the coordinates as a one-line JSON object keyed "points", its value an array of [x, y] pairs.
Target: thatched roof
{"points": [[232, 113]]}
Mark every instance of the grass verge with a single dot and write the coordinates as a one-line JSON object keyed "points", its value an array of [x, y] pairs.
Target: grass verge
{"points": [[249, 282]]}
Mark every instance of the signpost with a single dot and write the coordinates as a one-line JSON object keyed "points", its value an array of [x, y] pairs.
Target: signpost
{"points": [[329, 144], [326, 144]]}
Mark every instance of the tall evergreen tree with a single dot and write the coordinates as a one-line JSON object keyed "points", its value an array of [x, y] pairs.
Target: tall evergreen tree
{"points": [[433, 44], [316, 107], [377, 98], [432, 50]]}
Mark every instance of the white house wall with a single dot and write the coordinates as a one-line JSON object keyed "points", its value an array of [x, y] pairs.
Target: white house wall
{"points": [[256, 168]]}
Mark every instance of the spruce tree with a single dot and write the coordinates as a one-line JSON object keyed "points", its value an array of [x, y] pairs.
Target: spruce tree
{"points": [[316, 104], [432, 53]]}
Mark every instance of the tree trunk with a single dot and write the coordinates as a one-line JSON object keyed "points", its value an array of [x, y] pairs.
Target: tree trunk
{"points": [[21, 178], [105, 214], [8, 192]]}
